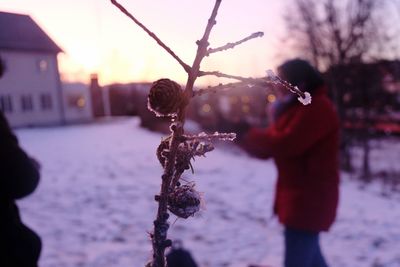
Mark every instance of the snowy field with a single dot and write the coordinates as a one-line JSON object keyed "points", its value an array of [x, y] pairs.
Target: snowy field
{"points": [[94, 205]]}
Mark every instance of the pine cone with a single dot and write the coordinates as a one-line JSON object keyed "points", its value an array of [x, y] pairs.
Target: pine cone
{"points": [[165, 97], [184, 201]]}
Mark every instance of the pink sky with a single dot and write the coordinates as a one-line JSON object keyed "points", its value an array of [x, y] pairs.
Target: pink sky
{"points": [[96, 37]]}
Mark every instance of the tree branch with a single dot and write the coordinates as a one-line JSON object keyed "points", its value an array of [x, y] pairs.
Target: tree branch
{"points": [[220, 87], [213, 136], [152, 35], [159, 240], [223, 75], [266, 81], [232, 45], [202, 49]]}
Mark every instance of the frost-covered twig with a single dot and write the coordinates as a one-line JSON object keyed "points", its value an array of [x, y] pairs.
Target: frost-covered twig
{"points": [[232, 45], [223, 75], [245, 81], [152, 35], [214, 136], [303, 97], [220, 87], [277, 80]]}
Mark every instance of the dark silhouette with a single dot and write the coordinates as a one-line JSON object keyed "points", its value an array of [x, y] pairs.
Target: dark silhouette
{"points": [[304, 141], [180, 257], [19, 176]]}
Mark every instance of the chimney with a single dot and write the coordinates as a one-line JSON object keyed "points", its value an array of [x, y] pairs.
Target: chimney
{"points": [[96, 96], [94, 81]]}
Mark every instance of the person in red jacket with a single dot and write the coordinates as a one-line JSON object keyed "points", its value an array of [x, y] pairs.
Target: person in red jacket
{"points": [[304, 142]]}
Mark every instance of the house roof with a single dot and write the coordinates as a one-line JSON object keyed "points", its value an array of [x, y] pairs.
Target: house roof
{"points": [[20, 32]]}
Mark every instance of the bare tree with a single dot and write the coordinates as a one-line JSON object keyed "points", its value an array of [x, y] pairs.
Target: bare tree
{"points": [[333, 34]]}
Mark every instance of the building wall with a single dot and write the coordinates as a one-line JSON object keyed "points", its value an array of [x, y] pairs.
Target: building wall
{"points": [[30, 89]]}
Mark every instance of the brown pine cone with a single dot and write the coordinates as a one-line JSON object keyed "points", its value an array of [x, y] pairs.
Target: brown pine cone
{"points": [[165, 97], [184, 201]]}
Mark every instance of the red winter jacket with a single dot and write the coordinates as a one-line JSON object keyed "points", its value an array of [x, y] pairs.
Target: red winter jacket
{"points": [[304, 144]]}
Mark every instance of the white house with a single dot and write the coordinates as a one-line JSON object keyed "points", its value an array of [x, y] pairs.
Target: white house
{"points": [[30, 89]]}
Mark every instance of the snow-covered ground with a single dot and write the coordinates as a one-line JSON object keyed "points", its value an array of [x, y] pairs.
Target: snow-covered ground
{"points": [[95, 204]]}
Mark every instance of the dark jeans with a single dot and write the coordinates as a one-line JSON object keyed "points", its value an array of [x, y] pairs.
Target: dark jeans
{"points": [[302, 249]]}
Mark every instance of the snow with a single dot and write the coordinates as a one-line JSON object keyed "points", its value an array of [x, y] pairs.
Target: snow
{"points": [[95, 204]]}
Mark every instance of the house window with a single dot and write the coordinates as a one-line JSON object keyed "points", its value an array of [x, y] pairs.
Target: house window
{"points": [[76, 101], [26, 103], [6, 104], [46, 101], [42, 65]]}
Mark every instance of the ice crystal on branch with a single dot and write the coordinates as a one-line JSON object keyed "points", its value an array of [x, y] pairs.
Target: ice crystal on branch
{"points": [[215, 136], [271, 75], [303, 97]]}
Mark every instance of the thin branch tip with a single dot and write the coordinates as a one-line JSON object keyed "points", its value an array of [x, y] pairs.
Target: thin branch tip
{"points": [[234, 44], [185, 66]]}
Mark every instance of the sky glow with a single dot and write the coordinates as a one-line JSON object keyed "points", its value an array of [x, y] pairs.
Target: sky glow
{"points": [[97, 38]]}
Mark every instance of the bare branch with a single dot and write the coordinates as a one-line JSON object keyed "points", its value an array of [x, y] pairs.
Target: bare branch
{"points": [[211, 22], [265, 81], [220, 87], [152, 35], [223, 75], [202, 48], [232, 45]]}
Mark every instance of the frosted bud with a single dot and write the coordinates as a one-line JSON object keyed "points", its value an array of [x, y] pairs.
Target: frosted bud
{"points": [[161, 150]]}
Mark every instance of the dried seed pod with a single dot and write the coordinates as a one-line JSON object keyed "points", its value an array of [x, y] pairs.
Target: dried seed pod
{"points": [[161, 150], [184, 201], [165, 97], [183, 157]]}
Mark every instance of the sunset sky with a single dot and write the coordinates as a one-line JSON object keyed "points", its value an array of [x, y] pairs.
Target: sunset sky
{"points": [[97, 38]]}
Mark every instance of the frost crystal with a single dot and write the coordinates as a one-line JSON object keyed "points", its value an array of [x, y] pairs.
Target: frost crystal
{"points": [[306, 100], [272, 76]]}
